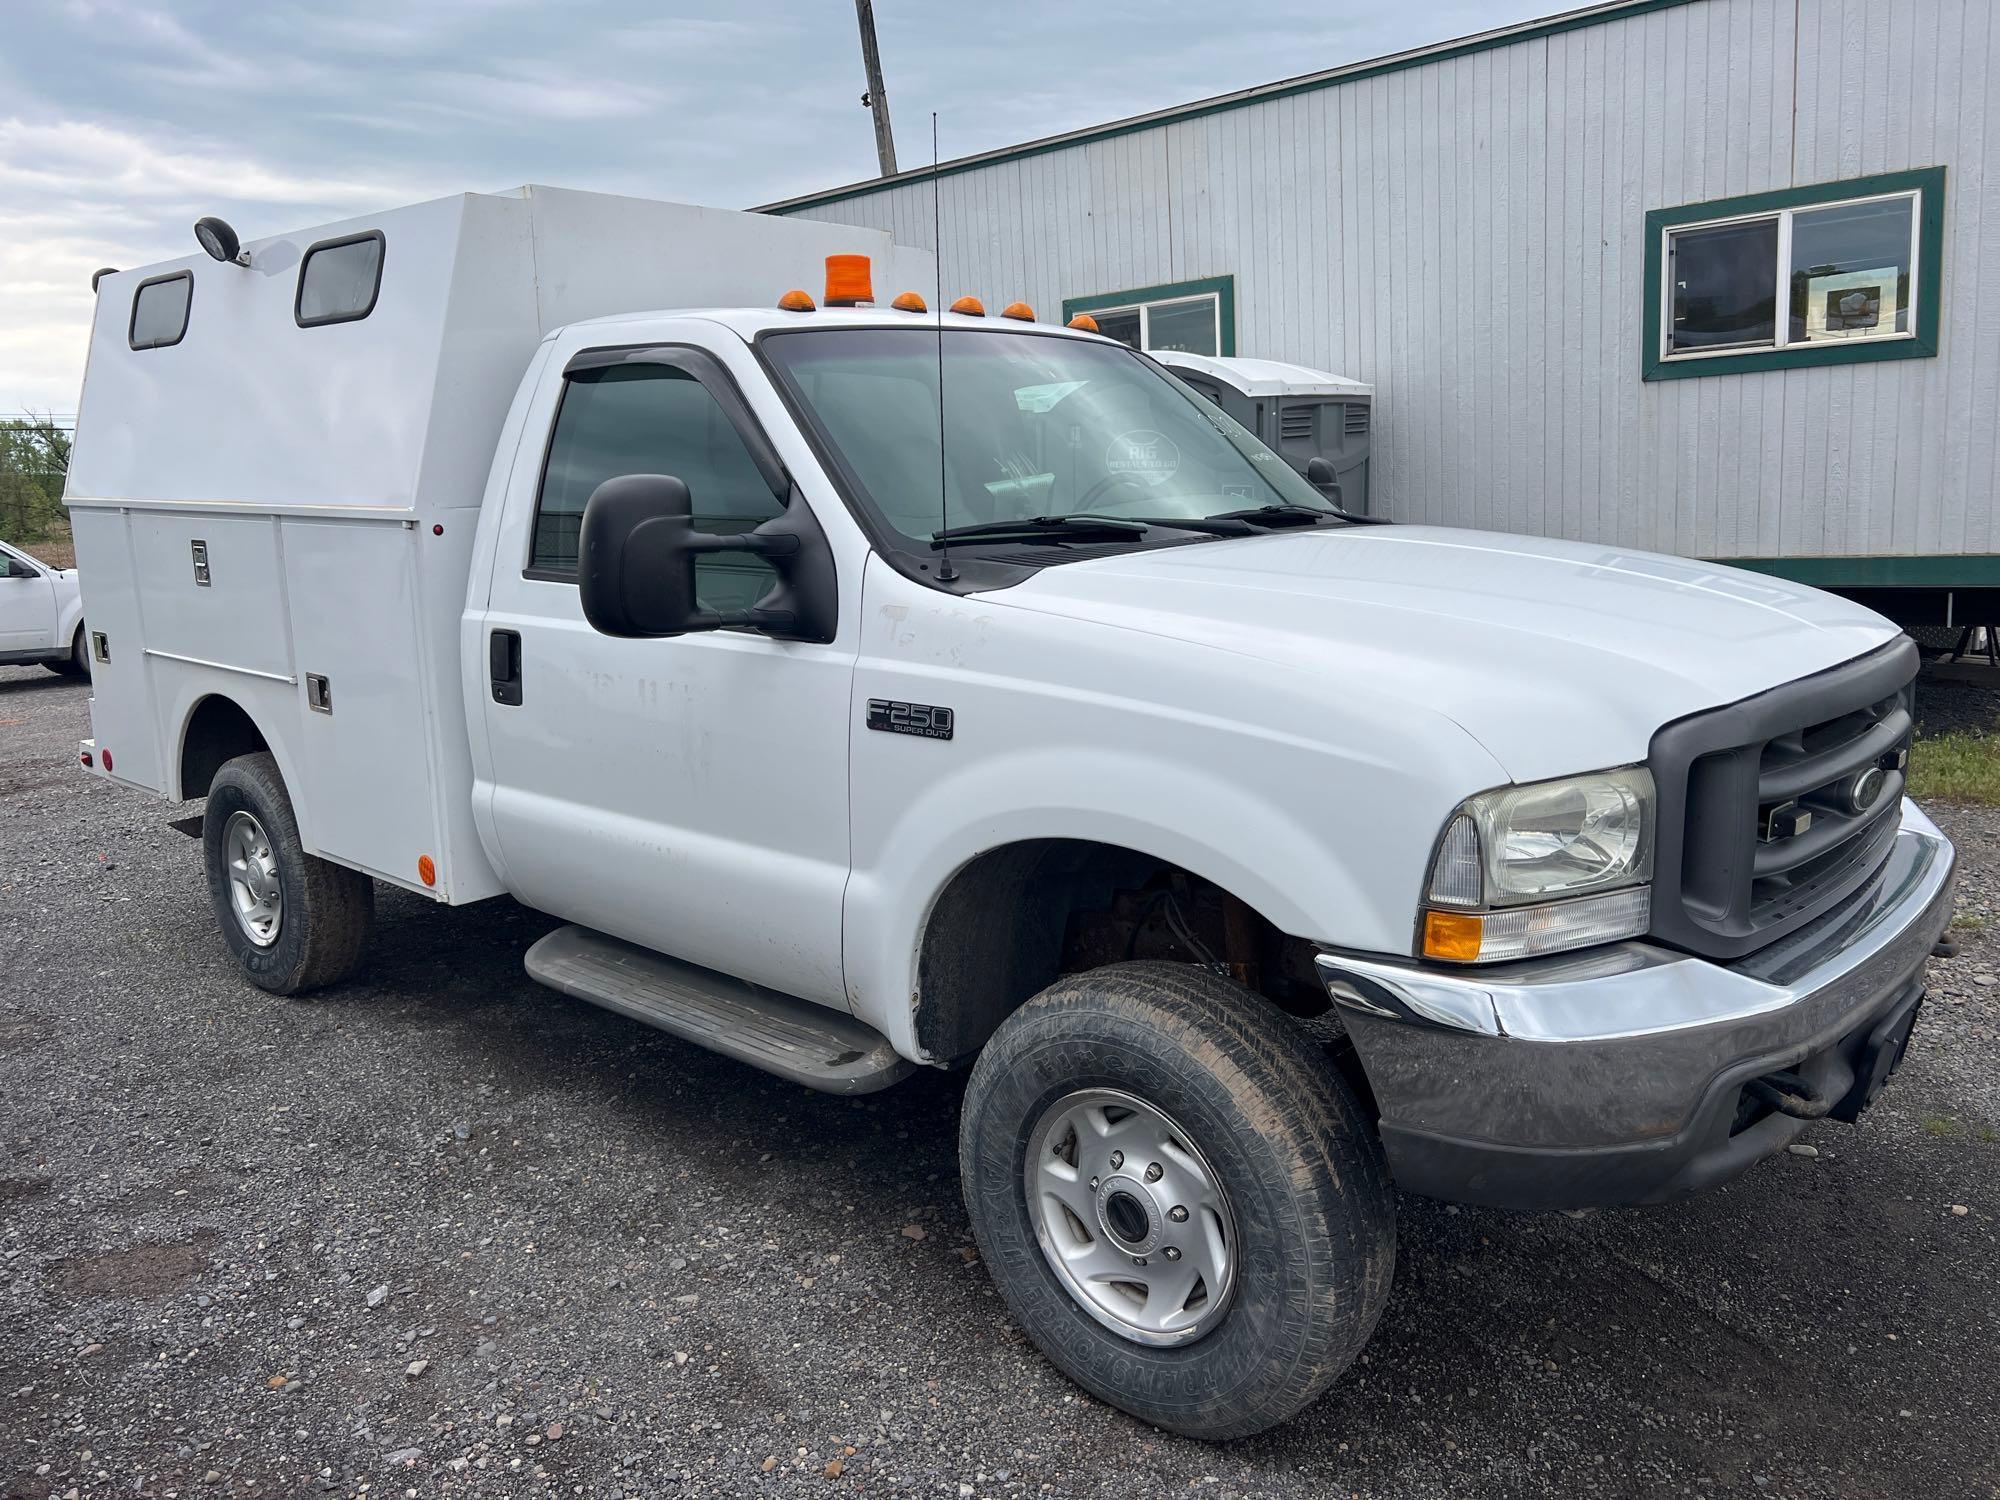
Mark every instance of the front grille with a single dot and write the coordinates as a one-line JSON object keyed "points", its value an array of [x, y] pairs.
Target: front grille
{"points": [[1760, 826]]}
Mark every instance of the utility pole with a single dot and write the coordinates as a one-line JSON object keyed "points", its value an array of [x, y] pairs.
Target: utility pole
{"points": [[877, 99]]}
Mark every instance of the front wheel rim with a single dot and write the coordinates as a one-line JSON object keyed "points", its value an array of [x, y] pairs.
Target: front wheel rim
{"points": [[256, 895], [1131, 1217]]}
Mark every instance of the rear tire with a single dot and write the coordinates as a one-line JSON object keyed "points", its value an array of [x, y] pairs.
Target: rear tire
{"points": [[293, 921], [77, 663], [1172, 1055]]}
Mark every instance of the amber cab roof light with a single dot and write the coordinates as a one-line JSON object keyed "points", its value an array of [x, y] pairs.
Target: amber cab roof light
{"points": [[847, 281], [909, 302], [795, 300], [970, 307], [1019, 311], [1084, 323]]}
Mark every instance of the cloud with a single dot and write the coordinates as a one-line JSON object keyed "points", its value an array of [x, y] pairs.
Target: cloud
{"points": [[125, 120]]}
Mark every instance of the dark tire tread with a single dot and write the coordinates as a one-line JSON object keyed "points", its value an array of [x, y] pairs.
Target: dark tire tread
{"points": [[1235, 1057], [330, 904]]}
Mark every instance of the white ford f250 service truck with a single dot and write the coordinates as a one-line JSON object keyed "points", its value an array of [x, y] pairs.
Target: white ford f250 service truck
{"points": [[1252, 860]]}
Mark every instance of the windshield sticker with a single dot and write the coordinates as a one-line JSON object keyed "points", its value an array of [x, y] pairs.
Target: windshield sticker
{"points": [[1237, 492], [1147, 456]]}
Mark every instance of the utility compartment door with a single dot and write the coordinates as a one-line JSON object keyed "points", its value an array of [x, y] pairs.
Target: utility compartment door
{"points": [[123, 719], [351, 587]]}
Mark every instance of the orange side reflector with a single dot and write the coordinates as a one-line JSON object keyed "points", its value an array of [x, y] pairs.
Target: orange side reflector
{"points": [[1452, 934], [972, 307], [427, 870], [847, 281], [1084, 323], [909, 302], [795, 301], [1018, 310]]}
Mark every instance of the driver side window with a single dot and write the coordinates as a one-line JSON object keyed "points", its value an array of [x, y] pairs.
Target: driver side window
{"points": [[652, 419]]}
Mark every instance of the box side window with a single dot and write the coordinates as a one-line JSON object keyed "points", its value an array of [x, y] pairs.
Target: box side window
{"points": [[160, 311], [339, 280]]}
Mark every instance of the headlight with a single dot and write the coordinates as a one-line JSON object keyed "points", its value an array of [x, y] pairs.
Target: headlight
{"points": [[1527, 870]]}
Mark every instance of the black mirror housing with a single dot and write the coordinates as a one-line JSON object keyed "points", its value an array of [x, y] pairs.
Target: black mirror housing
{"points": [[1321, 476], [636, 551]]}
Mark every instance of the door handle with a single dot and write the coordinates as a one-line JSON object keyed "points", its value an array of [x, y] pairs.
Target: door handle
{"points": [[503, 660]]}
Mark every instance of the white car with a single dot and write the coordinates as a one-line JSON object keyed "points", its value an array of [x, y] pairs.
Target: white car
{"points": [[41, 615]]}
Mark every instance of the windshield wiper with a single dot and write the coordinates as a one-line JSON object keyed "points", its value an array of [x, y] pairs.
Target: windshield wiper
{"points": [[1295, 515], [1280, 515], [1045, 529]]}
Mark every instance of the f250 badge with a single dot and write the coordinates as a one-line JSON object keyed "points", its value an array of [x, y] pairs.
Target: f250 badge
{"points": [[921, 719]]}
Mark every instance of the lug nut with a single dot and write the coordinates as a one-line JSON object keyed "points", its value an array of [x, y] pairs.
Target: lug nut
{"points": [[1153, 1172], [1172, 1253], [1117, 1160], [1138, 1260], [1176, 1213], [1093, 1184]]}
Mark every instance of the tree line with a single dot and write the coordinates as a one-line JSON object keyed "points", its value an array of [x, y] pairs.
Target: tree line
{"points": [[34, 466]]}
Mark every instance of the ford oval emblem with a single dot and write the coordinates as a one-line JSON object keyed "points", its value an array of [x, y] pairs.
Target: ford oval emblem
{"points": [[1864, 789]]}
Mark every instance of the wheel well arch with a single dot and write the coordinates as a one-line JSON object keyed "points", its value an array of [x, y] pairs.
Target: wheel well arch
{"points": [[1016, 917], [218, 729]]}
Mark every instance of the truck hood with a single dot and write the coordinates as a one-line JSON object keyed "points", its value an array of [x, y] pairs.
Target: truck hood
{"points": [[1556, 656]]}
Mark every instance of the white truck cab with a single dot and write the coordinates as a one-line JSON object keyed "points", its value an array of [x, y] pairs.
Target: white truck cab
{"points": [[41, 614], [876, 687]]}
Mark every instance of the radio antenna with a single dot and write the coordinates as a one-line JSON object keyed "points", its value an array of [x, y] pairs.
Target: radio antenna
{"points": [[946, 573]]}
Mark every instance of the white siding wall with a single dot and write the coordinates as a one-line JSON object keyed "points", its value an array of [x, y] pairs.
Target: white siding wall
{"points": [[1469, 235]]}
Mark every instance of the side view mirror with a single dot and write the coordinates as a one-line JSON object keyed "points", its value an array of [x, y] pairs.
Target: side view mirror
{"points": [[636, 551], [1320, 475]]}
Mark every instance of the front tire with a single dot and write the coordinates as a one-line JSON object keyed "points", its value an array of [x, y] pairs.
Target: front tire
{"points": [[1138, 1131], [294, 922], [77, 663]]}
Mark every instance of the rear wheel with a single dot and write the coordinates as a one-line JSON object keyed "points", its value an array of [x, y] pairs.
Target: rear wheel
{"points": [[1179, 1197], [293, 921]]}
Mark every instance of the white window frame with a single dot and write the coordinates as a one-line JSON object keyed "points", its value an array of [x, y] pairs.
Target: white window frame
{"points": [[1144, 310], [1782, 320]]}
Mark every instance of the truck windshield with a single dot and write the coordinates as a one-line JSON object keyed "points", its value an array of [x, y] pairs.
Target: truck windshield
{"points": [[1035, 427]]}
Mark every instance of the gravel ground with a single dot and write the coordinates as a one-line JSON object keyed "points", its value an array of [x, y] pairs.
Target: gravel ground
{"points": [[442, 1232]]}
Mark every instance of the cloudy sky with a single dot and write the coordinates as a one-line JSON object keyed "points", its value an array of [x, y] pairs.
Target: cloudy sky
{"points": [[121, 122]]}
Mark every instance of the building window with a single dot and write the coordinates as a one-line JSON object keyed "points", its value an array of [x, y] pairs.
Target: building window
{"points": [[339, 280], [1195, 317], [160, 311], [1817, 275]]}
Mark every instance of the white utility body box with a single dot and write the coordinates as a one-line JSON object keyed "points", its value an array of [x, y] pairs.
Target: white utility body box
{"points": [[281, 510]]}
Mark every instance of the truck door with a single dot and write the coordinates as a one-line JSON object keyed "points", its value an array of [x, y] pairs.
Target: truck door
{"points": [[689, 793], [27, 605]]}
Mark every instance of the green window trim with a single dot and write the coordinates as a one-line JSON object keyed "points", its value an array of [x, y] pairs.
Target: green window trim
{"points": [[1884, 571], [1927, 182], [1222, 288]]}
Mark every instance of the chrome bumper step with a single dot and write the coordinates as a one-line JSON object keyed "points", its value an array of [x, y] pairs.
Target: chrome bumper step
{"points": [[823, 1049]]}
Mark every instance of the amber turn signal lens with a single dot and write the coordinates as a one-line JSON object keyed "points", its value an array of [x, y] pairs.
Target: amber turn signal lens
{"points": [[847, 281], [1083, 323], [1452, 934], [909, 302], [972, 307], [1019, 311], [795, 301], [427, 870]]}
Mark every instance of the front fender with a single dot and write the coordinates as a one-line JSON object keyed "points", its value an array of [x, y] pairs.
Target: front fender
{"points": [[1320, 814]]}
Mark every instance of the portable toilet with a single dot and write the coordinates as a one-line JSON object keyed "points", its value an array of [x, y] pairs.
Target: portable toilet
{"points": [[1299, 413]]}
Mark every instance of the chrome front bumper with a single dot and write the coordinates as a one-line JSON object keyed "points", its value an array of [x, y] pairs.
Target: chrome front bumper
{"points": [[1615, 1075]]}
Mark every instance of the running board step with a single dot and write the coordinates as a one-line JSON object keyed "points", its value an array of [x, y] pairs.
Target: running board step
{"points": [[823, 1049]]}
